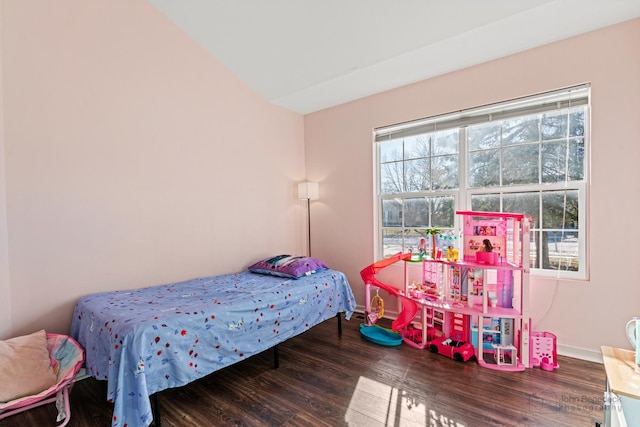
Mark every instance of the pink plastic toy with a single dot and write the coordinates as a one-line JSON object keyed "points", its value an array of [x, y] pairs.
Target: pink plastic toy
{"points": [[543, 350], [409, 308]]}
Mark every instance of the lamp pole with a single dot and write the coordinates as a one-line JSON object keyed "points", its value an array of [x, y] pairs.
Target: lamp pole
{"points": [[309, 227], [309, 191]]}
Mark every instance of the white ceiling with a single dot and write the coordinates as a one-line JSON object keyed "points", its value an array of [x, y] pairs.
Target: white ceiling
{"points": [[307, 55]]}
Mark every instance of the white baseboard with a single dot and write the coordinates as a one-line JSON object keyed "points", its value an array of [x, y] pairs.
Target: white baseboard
{"points": [[580, 353]]}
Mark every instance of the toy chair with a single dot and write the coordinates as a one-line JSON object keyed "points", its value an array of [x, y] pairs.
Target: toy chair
{"points": [[67, 356]]}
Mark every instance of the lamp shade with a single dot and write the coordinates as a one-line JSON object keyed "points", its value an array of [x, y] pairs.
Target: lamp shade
{"points": [[309, 190]]}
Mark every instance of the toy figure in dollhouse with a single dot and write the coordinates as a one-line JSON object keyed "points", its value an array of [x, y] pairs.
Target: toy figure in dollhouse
{"points": [[422, 247], [486, 246], [452, 254], [455, 288]]}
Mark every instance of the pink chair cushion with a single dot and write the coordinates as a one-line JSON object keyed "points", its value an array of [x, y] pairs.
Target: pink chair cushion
{"points": [[25, 366]]}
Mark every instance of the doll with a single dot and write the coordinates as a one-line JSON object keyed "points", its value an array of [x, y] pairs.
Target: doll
{"points": [[486, 246], [422, 246]]}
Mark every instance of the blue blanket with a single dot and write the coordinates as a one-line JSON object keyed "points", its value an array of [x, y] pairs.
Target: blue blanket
{"points": [[146, 340]]}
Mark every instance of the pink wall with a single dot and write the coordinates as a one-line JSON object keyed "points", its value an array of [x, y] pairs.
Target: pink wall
{"points": [[584, 314], [133, 158], [5, 290]]}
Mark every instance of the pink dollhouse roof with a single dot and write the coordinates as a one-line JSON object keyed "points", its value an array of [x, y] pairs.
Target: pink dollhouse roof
{"points": [[492, 214]]}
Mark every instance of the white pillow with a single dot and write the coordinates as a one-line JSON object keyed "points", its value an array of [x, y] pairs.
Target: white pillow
{"points": [[25, 366]]}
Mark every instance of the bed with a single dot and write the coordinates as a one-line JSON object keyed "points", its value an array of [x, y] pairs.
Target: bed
{"points": [[143, 341]]}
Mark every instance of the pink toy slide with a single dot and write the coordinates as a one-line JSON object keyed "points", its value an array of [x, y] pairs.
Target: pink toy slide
{"points": [[409, 308]]}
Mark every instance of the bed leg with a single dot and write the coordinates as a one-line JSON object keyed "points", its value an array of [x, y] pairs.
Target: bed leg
{"points": [[339, 323], [155, 402], [276, 360]]}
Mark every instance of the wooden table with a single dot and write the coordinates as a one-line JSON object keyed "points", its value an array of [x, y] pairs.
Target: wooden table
{"points": [[622, 380], [620, 366]]}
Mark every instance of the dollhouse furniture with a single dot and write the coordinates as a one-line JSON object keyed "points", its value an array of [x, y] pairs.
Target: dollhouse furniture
{"points": [[544, 350], [505, 354], [481, 298], [143, 341]]}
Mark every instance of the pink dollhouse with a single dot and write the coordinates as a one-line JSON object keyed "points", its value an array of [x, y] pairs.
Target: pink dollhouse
{"points": [[479, 301]]}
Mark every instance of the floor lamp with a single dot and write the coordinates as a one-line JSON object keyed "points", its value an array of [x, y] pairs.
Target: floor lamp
{"points": [[308, 191]]}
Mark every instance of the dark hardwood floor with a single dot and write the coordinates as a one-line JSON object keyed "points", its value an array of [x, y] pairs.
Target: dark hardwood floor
{"points": [[330, 380]]}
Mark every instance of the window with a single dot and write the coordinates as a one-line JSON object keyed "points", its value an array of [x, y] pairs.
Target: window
{"points": [[527, 155]]}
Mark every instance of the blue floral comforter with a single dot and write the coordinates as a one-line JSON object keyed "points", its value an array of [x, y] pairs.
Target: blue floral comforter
{"points": [[146, 340]]}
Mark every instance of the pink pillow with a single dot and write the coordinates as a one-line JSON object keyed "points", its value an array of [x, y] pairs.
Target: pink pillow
{"points": [[25, 367]]}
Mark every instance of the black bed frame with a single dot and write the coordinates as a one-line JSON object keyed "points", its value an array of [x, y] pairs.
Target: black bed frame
{"points": [[155, 397]]}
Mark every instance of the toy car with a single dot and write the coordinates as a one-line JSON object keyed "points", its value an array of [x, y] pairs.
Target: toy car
{"points": [[459, 351]]}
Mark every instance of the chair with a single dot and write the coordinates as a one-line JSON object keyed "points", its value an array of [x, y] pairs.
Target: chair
{"points": [[67, 357]]}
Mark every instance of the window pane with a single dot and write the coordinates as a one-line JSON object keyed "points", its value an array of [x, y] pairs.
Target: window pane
{"points": [[554, 126], [554, 165], [417, 175], [483, 136], [445, 172], [576, 120], [416, 213], [391, 151], [416, 147], [392, 213], [560, 209], [521, 130], [484, 168], [391, 242], [576, 160], [442, 212], [445, 142], [520, 164], [391, 181], [485, 202], [526, 203], [562, 249], [534, 260]]}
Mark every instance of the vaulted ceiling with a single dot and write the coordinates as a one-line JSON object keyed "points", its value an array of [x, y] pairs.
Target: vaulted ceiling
{"points": [[307, 55]]}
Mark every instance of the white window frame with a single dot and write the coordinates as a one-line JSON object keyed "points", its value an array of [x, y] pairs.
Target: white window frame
{"points": [[561, 98]]}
